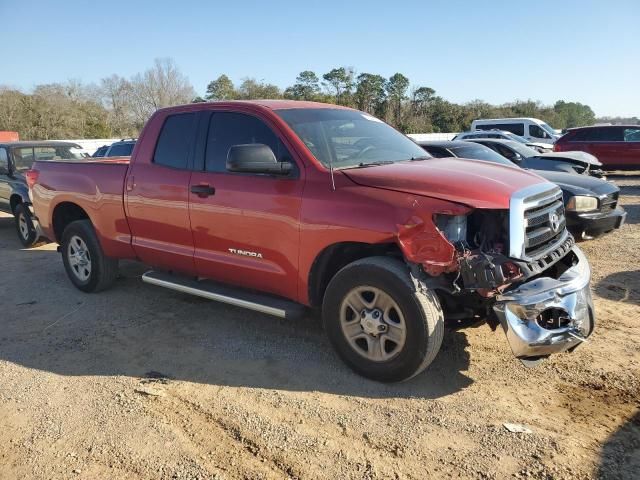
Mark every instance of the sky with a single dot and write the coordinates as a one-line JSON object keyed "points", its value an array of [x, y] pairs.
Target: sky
{"points": [[497, 51]]}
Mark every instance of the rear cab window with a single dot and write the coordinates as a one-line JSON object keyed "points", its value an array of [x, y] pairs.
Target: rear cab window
{"points": [[4, 160], [175, 141], [23, 158]]}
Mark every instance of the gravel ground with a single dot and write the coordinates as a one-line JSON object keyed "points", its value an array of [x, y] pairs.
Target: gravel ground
{"points": [[143, 383]]}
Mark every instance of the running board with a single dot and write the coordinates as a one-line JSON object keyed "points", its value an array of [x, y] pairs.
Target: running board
{"points": [[263, 303]]}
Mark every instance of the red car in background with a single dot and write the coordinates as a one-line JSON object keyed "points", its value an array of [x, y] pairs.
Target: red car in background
{"points": [[616, 146]]}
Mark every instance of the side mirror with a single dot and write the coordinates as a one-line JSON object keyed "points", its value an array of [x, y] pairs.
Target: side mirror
{"points": [[517, 158], [255, 158]]}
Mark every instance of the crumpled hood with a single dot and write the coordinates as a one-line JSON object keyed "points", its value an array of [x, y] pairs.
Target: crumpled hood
{"points": [[474, 183], [573, 155]]}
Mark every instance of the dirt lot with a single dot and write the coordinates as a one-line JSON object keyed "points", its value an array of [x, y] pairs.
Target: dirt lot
{"points": [[142, 383]]}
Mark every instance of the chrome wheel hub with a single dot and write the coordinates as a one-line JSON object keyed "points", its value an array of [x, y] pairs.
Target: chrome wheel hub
{"points": [[24, 228], [79, 258], [372, 323]]}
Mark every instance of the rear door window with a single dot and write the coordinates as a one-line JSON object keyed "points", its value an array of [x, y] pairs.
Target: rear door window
{"points": [[176, 141], [515, 128], [608, 134]]}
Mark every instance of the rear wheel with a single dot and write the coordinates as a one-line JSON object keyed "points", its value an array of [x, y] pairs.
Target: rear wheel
{"points": [[86, 264], [380, 324], [24, 226]]}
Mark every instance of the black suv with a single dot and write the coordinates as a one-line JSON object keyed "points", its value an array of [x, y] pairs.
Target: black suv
{"points": [[123, 148], [15, 159]]}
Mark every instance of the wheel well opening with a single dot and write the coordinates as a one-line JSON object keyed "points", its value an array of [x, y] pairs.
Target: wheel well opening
{"points": [[63, 215], [335, 257], [14, 201]]}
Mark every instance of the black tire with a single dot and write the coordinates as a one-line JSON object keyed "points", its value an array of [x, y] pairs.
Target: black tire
{"points": [[420, 308], [24, 226], [103, 270]]}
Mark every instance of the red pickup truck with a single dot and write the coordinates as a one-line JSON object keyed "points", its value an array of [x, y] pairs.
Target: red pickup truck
{"points": [[280, 205]]}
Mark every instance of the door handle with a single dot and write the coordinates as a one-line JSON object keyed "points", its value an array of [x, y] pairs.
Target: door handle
{"points": [[131, 183], [203, 190]]}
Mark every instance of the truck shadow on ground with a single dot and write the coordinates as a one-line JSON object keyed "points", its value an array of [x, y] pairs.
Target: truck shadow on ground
{"points": [[134, 328], [620, 456], [620, 287]]}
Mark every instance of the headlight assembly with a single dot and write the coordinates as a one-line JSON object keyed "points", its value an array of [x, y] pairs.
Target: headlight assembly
{"points": [[581, 203], [453, 227]]}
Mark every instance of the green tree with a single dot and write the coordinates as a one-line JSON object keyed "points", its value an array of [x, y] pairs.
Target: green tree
{"points": [[307, 87], [446, 116], [396, 88], [573, 114], [339, 82], [370, 93], [252, 89], [221, 89]]}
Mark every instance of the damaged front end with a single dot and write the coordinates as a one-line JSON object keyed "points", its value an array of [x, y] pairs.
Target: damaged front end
{"points": [[549, 315], [518, 268]]}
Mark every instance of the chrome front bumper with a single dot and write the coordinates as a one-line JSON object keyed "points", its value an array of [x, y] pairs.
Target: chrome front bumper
{"points": [[519, 312]]}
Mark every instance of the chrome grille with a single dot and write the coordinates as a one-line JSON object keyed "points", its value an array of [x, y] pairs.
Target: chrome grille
{"points": [[537, 222], [609, 202]]}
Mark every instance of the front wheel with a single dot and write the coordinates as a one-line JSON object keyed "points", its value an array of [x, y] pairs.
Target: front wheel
{"points": [[88, 268], [380, 324], [24, 226]]}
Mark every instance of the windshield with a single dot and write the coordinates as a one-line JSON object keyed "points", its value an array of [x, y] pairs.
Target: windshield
{"points": [[548, 129], [480, 152], [515, 138], [349, 138], [523, 150]]}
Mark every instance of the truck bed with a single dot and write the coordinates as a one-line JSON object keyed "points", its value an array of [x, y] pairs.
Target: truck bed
{"points": [[96, 186]]}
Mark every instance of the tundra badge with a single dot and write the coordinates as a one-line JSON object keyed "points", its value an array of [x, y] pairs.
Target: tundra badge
{"points": [[245, 253]]}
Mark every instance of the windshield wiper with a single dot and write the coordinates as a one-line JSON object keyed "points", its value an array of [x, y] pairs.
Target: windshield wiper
{"points": [[375, 164], [417, 159]]}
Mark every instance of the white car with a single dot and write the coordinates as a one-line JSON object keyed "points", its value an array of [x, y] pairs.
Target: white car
{"points": [[531, 129], [503, 135]]}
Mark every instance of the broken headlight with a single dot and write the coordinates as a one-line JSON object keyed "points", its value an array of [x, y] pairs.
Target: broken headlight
{"points": [[453, 227]]}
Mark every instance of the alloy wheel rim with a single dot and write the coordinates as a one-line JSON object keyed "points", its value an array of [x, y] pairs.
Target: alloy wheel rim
{"points": [[372, 323], [79, 258], [22, 224]]}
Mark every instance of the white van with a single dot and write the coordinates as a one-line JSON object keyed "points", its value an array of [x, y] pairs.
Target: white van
{"points": [[532, 129]]}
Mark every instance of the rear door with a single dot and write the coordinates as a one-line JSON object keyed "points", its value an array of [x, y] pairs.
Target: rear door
{"points": [[607, 144], [245, 226], [157, 195], [5, 189]]}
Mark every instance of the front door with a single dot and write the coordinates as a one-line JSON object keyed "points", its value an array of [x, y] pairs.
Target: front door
{"points": [[157, 197], [245, 226]]}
